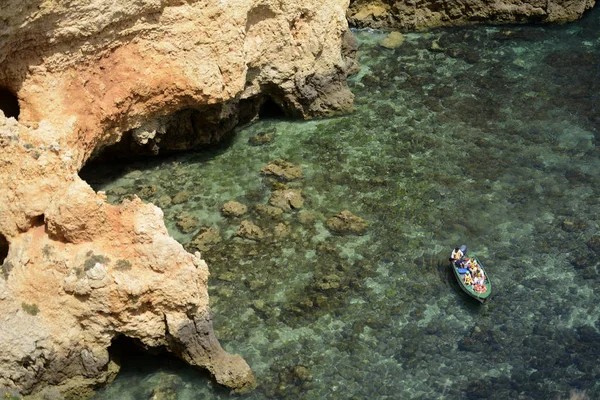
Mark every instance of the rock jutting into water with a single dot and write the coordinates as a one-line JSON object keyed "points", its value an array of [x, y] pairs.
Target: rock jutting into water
{"points": [[407, 15], [129, 79]]}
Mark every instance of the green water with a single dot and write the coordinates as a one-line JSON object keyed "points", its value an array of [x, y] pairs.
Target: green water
{"points": [[490, 140]]}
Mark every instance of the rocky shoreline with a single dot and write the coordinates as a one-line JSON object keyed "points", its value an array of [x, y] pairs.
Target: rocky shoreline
{"points": [[103, 82], [142, 78]]}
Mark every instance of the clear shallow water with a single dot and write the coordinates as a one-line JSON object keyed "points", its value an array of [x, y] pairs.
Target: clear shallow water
{"points": [[491, 139]]}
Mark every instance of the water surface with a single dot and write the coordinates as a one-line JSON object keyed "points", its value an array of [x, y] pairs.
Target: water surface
{"points": [[484, 136]]}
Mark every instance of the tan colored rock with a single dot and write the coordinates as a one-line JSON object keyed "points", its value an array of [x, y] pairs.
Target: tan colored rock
{"points": [[123, 279], [281, 230], [392, 41], [407, 16], [249, 230], [268, 211], [368, 10], [181, 197], [206, 238], [346, 223], [143, 76], [187, 222], [287, 199], [233, 209], [108, 68], [282, 169]]}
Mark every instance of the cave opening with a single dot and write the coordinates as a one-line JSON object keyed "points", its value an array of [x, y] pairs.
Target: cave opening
{"points": [[9, 104], [270, 109], [3, 248], [135, 359]]}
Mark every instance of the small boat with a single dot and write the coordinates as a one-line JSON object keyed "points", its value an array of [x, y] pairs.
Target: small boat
{"points": [[471, 276]]}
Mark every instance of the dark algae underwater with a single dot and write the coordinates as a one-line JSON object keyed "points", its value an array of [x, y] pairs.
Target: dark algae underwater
{"points": [[486, 136]]}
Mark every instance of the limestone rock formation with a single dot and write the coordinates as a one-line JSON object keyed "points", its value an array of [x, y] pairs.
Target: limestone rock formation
{"points": [[145, 76], [172, 74], [418, 15]]}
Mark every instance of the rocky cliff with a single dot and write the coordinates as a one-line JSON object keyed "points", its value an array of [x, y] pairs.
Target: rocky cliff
{"points": [[418, 15], [145, 76]]}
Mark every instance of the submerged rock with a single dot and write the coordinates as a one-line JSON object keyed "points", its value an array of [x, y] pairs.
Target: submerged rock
{"points": [[307, 218], [346, 223], [594, 244], [181, 197], [187, 222], [147, 191], [233, 209], [267, 211], [205, 239], [328, 282], [262, 138], [281, 230], [392, 41], [282, 169], [287, 199], [164, 201], [249, 230]]}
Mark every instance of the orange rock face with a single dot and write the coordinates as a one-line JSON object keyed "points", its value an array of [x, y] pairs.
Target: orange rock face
{"points": [[78, 272]]}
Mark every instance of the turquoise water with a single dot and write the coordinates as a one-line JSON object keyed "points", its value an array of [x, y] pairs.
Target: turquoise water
{"points": [[489, 139]]}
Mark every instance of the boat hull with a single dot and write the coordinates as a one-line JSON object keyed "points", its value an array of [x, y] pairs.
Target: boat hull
{"points": [[469, 289]]}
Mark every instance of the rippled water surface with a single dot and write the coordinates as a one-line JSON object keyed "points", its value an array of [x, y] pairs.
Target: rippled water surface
{"points": [[483, 136]]}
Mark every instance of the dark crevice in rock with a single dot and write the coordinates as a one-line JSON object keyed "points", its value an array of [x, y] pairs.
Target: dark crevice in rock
{"points": [[270, 109], [9, 104], [3, 248], [37, 221], [123, 348], [198, 128], [134, 358]]}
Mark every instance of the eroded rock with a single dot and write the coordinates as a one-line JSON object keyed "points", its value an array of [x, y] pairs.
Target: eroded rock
{"points": [[268, 211], [262, 138], [283, 170], [346, 223], [206, 238], [187, 222], [119, 275], [392, 41], [234, 209], [249, 230], [181, 197], [287, 199], [407, 15], [125, 75]]}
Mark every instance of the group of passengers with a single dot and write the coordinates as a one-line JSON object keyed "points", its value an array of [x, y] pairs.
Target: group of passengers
{"points": [[468, 267]]}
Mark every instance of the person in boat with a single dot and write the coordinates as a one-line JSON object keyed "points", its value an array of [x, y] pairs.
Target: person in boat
{"points": [[471, 265], [458, 256], [475, 270], [478, 277], [468, 279]]}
